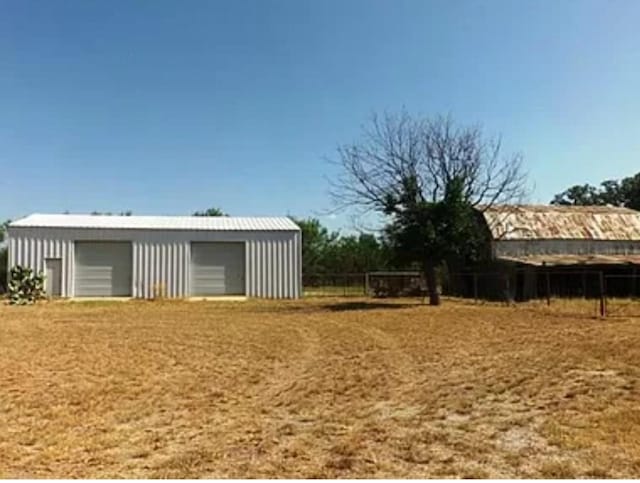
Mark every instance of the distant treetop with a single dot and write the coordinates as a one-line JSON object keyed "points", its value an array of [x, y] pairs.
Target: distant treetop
{"points": [[109, 213], [625, 192], [211, 212]]}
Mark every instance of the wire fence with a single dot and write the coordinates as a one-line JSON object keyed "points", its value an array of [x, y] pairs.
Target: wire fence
{"points": [[374, 284], [568, 291], [334, 284], [592, 291], [622, 295]]}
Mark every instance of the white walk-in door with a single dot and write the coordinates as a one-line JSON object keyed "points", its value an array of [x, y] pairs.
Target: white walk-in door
{"points": [[102, 269], [53, 277], [217, 269]]}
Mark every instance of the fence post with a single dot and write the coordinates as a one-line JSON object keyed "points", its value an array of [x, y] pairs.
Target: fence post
{"points": [[603, 310], [366, 283]]}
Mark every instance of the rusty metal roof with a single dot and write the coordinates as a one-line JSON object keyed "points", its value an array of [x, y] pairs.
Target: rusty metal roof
{"points": [[550, 222], [554, 260]]}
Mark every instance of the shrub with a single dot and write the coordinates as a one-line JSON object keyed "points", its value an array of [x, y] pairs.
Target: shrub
{"points": [[25, 287]]}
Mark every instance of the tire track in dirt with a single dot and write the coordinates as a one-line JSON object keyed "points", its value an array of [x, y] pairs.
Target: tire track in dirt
{"points": [[302, 402], [284, 375], [394, 354]]}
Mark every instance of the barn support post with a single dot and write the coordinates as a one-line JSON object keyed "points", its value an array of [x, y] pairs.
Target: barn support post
{"points": [[475, 287], [634, 279], [584, 282], [507, 288], [548, 283], [603, 308]]}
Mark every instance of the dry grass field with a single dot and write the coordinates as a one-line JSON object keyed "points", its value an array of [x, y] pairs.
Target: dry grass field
{"points": [[316, 388]]}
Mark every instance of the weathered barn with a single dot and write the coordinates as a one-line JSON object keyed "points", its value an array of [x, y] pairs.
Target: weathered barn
{"points": [[537, 248], [149, 256], [564, 235]]}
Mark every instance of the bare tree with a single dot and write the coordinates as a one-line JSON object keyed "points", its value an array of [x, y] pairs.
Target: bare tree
{"points": [[404, 164], [398, 148]]}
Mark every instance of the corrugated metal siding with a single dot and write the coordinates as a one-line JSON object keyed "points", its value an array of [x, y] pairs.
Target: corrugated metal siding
{"points": [[273, 259], [31, 251], [164, 265], [518, 248]]}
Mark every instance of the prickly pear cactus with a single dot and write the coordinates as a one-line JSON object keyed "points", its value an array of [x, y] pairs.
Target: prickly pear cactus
{"points": [[25, 287]]}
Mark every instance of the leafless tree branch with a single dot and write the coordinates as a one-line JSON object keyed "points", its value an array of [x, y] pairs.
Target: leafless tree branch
{"points": [[400, 156]]}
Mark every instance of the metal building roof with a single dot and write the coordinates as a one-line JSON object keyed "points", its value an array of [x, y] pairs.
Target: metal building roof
{"points": [[221, 223], [552, 222]]}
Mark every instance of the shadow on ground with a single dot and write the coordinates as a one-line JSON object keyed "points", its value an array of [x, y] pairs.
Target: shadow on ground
{"points": [[347, 306]]}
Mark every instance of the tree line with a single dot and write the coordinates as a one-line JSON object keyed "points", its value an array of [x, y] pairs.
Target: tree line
{"points": [[624, 192], [327, 252], [4, 256]]}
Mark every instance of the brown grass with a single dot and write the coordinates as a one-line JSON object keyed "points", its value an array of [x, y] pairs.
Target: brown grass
{"points": [[316, 388]]}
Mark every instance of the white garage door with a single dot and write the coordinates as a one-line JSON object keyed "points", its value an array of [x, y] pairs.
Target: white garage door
{"points": [[102, 269], [217, 269]]}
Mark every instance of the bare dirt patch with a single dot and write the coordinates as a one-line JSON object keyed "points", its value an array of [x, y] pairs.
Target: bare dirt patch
{"points": [[316, 388]]}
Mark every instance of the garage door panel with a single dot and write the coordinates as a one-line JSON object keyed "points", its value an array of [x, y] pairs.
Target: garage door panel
{"points": [[103, 269], [217, 269], [213, 277]]}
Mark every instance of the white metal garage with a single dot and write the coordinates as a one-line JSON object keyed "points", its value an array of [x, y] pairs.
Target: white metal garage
{"points": [[217, 269], [184, 256], [103, 269]]}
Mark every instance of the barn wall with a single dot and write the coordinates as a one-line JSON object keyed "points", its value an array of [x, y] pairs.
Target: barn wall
{"points": [[514, 248], [273, 259]]}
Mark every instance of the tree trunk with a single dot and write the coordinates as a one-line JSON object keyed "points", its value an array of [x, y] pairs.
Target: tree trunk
{"points": [[432, 283]]}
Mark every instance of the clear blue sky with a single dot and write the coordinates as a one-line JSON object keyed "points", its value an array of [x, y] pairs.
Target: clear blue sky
{"points": [[165, 107]]}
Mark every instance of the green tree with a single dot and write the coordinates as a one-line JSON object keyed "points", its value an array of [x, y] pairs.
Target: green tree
{"points": [[4, 267], [435, 232], [316, 240], [3, 230], [210, 212], [324, 251], [4, 256], [577, 195], [109, 213], [630, 188], [625, 192], [357, 254], [426, 176]]}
